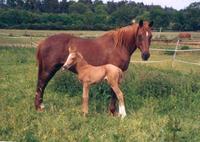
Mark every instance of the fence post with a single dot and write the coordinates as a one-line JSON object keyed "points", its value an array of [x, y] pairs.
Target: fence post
{"points": [[174, 56], [160, 32]]}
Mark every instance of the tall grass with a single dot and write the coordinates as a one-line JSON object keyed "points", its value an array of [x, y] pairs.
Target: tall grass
{"points": [[162, 105]]}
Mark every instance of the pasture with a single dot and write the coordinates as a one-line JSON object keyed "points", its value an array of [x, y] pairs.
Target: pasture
{"points": [[162, 101]]}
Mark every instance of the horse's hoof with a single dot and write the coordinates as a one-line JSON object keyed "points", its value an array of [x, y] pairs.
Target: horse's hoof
{"points": [[40, 108], [113, 113]]}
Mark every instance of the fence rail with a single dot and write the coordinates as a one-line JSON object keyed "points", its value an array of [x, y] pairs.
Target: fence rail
{"points": [[173, 50], [34, 44], [173, 57]]}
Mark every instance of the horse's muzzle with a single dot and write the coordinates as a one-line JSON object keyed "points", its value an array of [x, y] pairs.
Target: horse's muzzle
{"points": [[145, 56]]}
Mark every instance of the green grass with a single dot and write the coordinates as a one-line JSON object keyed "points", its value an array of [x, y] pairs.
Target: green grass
{"points": [[162, 105]]}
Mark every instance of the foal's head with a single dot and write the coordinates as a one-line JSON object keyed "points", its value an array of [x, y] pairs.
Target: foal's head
{"points": [[73, 58], [143, 39]]}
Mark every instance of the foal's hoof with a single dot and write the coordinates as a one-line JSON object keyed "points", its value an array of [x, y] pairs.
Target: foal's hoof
{"points": [[122, 115], [40, 108], [85, 114]]}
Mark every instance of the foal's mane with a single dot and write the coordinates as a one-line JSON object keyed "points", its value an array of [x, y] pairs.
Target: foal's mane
{"points": [[122, 36]]}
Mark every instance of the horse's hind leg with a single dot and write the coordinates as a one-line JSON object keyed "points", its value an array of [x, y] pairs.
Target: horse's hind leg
{"points": [[112, 104], [43, 78]]}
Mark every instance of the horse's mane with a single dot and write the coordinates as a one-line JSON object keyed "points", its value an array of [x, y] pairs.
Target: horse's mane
{"points": [[121, 36]]}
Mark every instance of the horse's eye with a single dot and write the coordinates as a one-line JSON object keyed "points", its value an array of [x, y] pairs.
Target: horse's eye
{"points": [[140, 37]]}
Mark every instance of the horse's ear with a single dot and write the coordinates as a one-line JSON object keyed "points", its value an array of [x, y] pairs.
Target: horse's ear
{"points": [[141, 23], [151, 24], [72, 49]]}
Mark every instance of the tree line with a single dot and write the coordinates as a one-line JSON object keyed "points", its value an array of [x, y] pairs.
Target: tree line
{"points": [[93, 15]]}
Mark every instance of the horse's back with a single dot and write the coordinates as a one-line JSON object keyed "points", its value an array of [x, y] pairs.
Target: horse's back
{"points": [[53, 50], [94, 50]]}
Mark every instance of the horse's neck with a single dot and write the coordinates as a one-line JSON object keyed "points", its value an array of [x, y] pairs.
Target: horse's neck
{"points": [[81, 65], [124, 38], [129, 38]]}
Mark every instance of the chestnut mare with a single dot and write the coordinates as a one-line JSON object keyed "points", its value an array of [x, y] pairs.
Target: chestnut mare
{"points": [[88, 75], [114, 47]]}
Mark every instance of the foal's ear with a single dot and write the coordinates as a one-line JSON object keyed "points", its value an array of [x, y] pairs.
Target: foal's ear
{"points": [[79, 54], [141, 23], [151, 24]]}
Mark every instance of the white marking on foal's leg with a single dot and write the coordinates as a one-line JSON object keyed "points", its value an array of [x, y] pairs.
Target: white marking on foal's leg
{"points": [[122, 111], [68, 58]]}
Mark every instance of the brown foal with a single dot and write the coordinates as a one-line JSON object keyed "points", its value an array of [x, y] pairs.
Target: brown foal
{"points": [[89, 74]]}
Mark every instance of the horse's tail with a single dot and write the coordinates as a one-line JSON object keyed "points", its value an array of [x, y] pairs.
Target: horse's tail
{"points": [[38, 57]]}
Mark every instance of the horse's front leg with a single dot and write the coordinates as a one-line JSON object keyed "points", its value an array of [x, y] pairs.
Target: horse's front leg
{"points": [[85, 98]]}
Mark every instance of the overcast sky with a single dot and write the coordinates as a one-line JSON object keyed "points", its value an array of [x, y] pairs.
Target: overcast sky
{"points": [[177, 4]]}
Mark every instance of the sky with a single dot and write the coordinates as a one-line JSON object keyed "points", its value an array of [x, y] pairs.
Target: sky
{"points": [[176, 4]]}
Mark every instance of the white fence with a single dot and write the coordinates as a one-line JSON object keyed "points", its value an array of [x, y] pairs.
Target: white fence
{"points": [[173, 57], [31, 43]]}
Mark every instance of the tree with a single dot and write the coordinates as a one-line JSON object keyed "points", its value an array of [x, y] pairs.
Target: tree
{"points": [[123, 16], [111, 6], [160, 17], [2, 3], [78, 8], [64, 6], [51, 6], [195, 5], [30, 4], [11, 3]]}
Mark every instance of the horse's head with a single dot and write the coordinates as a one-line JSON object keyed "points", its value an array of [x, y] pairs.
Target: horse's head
{"points": [[143, 38], [73, 58]]}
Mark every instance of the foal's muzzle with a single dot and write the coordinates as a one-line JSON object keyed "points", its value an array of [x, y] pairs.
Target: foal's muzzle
{"points": [[64, 68], [145, 56]]}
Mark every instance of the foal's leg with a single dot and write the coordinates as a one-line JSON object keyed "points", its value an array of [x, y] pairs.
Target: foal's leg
{"points": [[120, 97], [85, 98]]}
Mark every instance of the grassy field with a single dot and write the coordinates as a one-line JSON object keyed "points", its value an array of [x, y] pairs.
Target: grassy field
{"points": [[162, 103]]}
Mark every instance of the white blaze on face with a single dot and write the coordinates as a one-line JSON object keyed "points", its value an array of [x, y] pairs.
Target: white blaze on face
{"points": [[69, 59], [147, 34]]}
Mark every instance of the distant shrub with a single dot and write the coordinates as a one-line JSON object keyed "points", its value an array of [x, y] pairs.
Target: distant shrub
{"points": [[169, 52], [185, 47], [26, 34], [10, 34]]}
